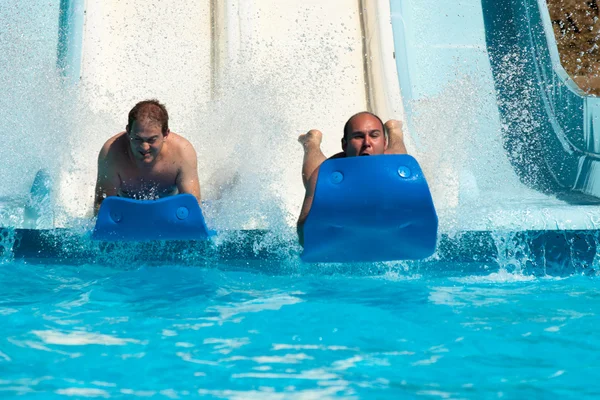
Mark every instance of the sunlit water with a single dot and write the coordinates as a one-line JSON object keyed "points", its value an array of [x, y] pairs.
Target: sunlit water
{"points": [[126, 324], [232, 331]]}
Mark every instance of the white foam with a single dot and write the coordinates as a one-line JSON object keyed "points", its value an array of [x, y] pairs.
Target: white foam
{"points": [[285, 359], [270, 303], [314, 374], [502, 276], [226, 346], [83, 392], [80, 338], [428, 361], [4, 357], [280, 346]]}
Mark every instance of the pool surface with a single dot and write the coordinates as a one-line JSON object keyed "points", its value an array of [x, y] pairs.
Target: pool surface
{"points": [[506, 308], [231, 331]]}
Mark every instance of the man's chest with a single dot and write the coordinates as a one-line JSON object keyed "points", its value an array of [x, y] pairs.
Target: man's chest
{"points": [[161, 176]]}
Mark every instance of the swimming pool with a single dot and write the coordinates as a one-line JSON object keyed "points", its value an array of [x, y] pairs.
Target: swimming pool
{"points": [[507, 307], [234, 330]]}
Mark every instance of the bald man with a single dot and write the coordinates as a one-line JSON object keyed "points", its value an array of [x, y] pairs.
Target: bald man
{"points": [[364, 135]]}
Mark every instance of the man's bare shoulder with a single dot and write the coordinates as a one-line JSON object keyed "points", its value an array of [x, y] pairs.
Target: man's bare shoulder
{"points": [[114, 146], [180, 146], [178, 140]]}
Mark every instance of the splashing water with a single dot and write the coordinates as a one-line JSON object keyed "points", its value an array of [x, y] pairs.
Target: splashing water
{"points": [[242, 317]]}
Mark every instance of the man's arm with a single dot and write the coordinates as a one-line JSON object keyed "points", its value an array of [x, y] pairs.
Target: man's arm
{"points": [[107, 182], [187, 179], [306, 205]]}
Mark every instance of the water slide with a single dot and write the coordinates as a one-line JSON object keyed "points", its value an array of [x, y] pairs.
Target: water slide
{"points": [[241, 80], [505, 138], [511, 134]]}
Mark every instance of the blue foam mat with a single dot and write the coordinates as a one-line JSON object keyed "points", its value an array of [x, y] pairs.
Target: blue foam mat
{"points": [[170, 218], [375, 208]]}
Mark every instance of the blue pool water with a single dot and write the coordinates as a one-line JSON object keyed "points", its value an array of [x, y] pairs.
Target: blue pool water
{"points": [[501, 316], [231, 331]]}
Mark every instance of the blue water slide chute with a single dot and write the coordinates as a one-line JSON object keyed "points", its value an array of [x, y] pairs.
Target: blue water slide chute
{"points": [[365, 209], [560, 137], [170, 218]]}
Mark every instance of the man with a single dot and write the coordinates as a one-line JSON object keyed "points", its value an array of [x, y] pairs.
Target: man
{"points": [[364, 135], [147, 161]]}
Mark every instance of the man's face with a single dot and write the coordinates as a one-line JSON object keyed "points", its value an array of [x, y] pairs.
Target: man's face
{"points": [[366, 137], [146, 140]]}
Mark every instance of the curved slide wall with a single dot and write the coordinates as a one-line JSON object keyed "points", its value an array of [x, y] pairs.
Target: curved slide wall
{"points": [[563, 124], [503, 135]]}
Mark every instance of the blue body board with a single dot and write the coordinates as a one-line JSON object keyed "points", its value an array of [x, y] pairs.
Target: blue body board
{"points": [[170, 218], [366, 209]]}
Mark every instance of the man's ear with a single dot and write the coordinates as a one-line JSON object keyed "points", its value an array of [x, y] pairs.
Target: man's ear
{"points": [[344, 144], [387, 139], [166, 133], [127, 129]]}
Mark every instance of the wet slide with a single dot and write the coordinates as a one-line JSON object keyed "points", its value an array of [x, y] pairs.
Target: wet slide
{"points": [[485, 114], [241, 80], [562, 126], [505, 138], [495, 117]]}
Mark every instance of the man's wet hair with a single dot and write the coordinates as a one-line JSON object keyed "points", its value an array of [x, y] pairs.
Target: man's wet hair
{"points": [[347, 126], [150, 110]]}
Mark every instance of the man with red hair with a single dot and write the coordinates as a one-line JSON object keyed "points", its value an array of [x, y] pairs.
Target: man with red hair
{"points": [[147, 161]]}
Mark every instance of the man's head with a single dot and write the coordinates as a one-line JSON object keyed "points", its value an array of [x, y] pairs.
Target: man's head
{"points": [[147, 129], [364, 134]]}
